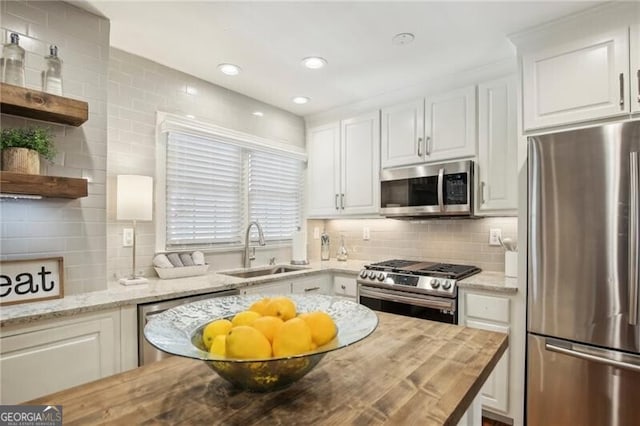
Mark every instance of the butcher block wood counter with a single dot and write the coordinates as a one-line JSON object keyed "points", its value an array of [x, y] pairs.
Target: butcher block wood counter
{"points": [[409, 371]]}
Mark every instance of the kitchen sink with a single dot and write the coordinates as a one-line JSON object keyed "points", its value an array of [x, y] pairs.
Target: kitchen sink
{"points": [[272, 270]]}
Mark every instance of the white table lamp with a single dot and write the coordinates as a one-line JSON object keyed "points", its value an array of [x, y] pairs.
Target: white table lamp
{"points": [[134, 202]]}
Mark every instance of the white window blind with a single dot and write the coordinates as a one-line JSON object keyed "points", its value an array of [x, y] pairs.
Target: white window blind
{"points": [[203, 191], [215, 187], [275, 188]]}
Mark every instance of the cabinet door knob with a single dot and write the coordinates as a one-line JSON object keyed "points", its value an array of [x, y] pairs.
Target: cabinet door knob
{"points": [[311, 289], [337, 207], [428, 145], [419, 147]]}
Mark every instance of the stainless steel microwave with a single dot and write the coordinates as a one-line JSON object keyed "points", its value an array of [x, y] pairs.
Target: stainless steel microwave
{"points": [[427, 190]]}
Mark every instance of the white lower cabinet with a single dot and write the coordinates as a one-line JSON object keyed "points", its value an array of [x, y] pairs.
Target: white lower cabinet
{"points": [[52, 355], [345, 285], [280, 287], [320, 284], [494, 313]]}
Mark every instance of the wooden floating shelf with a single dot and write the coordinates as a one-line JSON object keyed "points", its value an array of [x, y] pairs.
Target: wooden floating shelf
{"points": [[38, 105], [45, 186]]}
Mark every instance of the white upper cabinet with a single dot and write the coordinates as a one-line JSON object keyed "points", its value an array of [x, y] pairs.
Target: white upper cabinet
{"points": [[440, 128], [323, 170], [450, 125], [576, 81], [360, 177], [343, 170], [635, 68], [497, 174], [402, 140]]}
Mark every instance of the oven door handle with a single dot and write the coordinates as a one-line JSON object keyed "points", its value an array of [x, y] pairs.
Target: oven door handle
{"points": [[425, 302], [441, 189]]}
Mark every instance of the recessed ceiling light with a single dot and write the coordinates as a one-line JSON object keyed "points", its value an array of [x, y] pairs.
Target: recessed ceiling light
{"points": [[190, 116], [258, 113], [300, 100], [402, 38], [229, 69], [314, 62], [191, 90]]}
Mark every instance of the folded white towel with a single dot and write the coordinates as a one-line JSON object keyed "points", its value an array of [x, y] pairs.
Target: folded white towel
{"points": [[198, 257], [186, 259], [174, 258], [161, 261]]}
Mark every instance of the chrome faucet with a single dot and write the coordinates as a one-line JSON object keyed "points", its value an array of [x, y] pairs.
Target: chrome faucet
{"points": [[248, 257]]}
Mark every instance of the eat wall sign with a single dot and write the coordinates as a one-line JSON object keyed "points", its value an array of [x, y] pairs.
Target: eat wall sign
{"points": [[30, 280]]}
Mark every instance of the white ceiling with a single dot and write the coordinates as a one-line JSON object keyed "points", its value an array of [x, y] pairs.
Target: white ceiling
{"points": [[269, 39]]}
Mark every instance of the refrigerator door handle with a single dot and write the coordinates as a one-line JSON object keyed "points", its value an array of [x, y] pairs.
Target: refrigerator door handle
{"points": [[590, 357], [634, 236]]}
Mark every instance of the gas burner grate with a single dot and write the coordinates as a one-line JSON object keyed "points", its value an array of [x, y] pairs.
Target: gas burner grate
{"points": [[451, 271], [394, 263]]}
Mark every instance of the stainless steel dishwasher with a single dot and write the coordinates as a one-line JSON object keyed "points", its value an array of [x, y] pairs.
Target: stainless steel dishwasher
{"points": [[146, 352]]}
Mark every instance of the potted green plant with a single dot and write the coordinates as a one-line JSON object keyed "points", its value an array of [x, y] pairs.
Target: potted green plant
{"points": [[22, 147]]}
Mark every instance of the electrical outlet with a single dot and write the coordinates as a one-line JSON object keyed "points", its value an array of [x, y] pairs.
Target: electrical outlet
{"points": [[316, 233], [366, 234], [495, 234], [127, 237]]}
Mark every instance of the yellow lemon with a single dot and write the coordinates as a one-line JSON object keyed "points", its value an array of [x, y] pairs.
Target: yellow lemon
{"points": [[244, 318], [244, 342], [323, 329], [268, 326], [213, 329], [218, 347], [260, 306], [293, 338], [281, 307]]}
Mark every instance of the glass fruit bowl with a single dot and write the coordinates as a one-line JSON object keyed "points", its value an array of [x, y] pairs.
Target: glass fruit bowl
{"points": [[178, 331]]}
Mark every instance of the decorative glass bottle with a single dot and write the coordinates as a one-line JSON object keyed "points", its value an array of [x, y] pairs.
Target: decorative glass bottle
{"points": [[52, 81], [324, 246], [13, 62], [342, 250]]}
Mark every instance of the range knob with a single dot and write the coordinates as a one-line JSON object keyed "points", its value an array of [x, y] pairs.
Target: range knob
{"points": [[380, 276], [372, 275], [363, 274], [446, 285], [434, 283]]}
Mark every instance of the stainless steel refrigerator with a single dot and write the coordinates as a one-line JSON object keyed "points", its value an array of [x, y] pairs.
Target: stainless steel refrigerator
{"points": [[583, 343]]}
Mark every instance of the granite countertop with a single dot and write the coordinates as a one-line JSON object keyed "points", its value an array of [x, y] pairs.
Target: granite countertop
{"points": [[490, 281], [117, 295], [408, 371]]}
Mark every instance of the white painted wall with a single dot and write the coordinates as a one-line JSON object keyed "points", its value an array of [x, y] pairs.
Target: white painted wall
{"points": [[137, 89]]}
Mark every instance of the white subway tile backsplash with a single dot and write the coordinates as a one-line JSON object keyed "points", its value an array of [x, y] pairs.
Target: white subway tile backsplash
{"points": [[46, 226], [457, 241]]}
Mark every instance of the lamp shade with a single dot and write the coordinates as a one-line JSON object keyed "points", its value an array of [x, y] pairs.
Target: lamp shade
{"points": [[134, 197]]}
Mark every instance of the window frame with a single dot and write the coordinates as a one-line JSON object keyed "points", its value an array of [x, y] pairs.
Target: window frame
{"points": [[167, 122]]}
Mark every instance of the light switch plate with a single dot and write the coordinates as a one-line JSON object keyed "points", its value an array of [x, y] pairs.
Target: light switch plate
{"points": [[495, 234], [366, 233], [316, 233], [127, 237]]}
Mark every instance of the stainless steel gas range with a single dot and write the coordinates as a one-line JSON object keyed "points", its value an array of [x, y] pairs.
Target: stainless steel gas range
{"points": [[418, 289]]}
